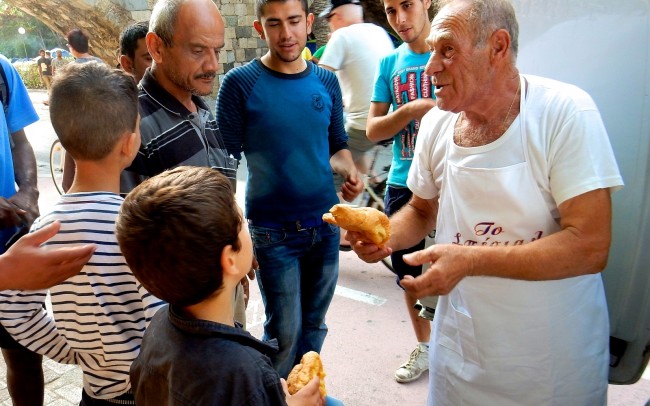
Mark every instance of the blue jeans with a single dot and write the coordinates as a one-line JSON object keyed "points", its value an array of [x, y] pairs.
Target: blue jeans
{"points": [[297, 276]]}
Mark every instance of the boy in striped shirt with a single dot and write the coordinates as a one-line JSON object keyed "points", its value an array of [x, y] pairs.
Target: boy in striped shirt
{"points": [[100, 315]]}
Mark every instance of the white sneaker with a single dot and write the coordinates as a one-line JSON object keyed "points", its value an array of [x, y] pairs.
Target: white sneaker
{"points": [[417, 364]]}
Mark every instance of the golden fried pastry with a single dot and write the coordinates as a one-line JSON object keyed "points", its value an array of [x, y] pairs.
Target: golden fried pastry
{"points": [[309, 367], [372, 223]]}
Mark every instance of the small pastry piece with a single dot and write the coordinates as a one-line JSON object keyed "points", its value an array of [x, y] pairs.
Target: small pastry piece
{"points": [[372, 223], [309, 367]]}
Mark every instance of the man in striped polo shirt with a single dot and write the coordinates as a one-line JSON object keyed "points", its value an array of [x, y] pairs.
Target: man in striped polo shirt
{"points": [[177, 127]]}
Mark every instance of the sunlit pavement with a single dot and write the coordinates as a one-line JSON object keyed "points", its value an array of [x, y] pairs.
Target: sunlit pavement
{"points": [[369, 332]]}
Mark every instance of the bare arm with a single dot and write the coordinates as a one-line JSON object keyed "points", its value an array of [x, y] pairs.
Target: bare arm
{"points": [[28, 266], [382, 125], [580, 247], [343, 164], [25, 175]]}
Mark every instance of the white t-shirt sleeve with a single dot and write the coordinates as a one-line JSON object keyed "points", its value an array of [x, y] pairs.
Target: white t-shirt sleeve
{"points": [[579, 155], [334, 54]]}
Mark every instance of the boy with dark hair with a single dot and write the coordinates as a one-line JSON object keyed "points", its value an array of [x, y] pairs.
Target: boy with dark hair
{"points": [[185, 239], [99, 316], [134, 55]]}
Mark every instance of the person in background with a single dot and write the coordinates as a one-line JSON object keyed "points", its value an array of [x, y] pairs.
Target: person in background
{"points": [[261, 110], [515, 172], [79, 48], [315, 58], [353, 51], [58, 62], [44, 64], [134, 55], [400, 83], [78, 44], [18, 209]]}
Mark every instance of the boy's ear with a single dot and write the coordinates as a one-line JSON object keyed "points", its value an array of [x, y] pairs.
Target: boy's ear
{"points": [[228, 263], [130, 144]]}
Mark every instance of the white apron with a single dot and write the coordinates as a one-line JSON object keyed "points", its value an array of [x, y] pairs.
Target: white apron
{"points": [[507, 342]]}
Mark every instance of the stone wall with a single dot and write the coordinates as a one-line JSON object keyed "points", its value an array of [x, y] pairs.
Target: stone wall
{"points": [[105, 19], [243, 44]]}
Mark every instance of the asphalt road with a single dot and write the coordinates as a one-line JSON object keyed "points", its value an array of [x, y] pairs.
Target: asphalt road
{"points": [[369, 332]]}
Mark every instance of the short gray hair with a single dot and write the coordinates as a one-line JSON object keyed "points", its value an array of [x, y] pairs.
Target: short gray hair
{"points": [[163, 19], [487, 16]]}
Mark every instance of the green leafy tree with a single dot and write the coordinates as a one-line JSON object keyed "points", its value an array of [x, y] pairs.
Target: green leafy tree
{"points": [[37, 35]]}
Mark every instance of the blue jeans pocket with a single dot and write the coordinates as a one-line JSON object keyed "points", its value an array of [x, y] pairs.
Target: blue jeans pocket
{"points": [[330, 229], [266, 237]]}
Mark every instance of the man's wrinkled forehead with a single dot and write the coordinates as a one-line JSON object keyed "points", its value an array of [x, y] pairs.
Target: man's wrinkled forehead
{"points": [[452, 18]]}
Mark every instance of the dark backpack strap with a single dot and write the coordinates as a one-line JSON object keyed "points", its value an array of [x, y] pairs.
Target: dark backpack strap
{"points": [[4, 90]]}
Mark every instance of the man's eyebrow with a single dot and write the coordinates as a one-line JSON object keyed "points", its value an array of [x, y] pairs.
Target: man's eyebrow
{"points": [[202, 45]]}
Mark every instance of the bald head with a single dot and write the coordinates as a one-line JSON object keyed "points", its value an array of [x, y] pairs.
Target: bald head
{"points": [[184, 40], [344, 16], [166, 14]]}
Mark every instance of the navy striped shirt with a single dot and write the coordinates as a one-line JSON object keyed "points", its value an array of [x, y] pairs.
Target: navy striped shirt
{"points": [[100, 315], [173, 136]]}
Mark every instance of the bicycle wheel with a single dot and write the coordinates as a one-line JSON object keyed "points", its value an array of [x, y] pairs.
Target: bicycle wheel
{"points": [[57, 155]]}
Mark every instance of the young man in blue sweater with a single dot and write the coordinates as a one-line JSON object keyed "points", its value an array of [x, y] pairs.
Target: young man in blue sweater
{"points": [[262, 109]]}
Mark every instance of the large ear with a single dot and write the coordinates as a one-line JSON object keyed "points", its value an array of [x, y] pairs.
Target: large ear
{"points": [[259, 28], [155, 46], [310, 22], [500, 43]]}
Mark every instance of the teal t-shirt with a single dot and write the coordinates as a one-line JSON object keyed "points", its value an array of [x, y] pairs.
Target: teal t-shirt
{"points": [[399, 79]]}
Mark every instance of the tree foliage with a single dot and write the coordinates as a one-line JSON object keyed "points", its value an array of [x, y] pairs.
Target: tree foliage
{"points": [[37, 35]]}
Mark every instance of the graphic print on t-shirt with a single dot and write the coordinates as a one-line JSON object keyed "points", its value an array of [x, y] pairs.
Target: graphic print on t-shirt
{"points": [[406, 88]]}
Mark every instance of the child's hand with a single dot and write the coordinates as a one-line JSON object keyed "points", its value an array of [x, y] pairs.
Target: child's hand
{"points": [[307, 396]]}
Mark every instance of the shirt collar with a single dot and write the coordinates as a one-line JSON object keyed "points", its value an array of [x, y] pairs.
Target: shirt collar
{"points": [[213, 329]]}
